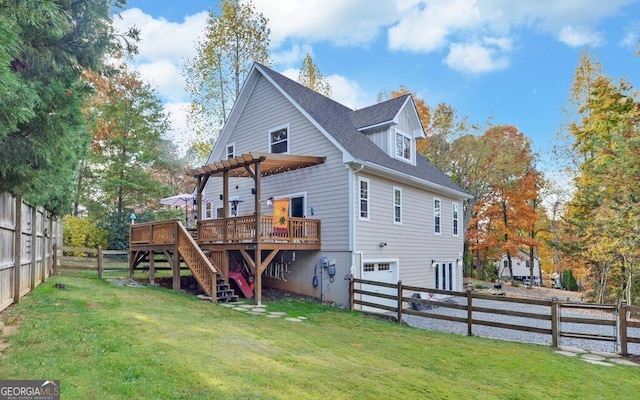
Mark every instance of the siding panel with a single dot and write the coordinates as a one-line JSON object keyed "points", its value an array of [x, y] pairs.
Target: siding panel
{"points": [[325, 185], [413, 242]]}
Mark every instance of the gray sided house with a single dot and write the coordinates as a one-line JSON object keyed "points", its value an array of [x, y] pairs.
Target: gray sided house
{"points": [[386, 213]]}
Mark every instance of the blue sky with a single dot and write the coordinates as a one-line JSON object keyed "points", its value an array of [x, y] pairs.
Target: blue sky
{"points": [[511, 61]]}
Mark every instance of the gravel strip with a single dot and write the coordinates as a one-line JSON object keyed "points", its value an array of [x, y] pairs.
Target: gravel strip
{"points": [[521, 336]]}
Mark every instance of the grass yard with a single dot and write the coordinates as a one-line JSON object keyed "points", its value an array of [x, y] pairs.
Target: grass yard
{"points": [[106, 341]]}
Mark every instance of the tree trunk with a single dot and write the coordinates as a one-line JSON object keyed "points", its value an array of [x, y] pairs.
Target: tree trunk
{"points": [[509, 263]]}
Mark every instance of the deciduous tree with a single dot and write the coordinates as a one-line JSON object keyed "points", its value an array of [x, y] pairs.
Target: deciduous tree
{"points": [[128, 155], [234, 38], [311, 77]]}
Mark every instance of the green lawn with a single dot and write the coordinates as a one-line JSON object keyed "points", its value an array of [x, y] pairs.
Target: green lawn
{"points": [[104, 341]]}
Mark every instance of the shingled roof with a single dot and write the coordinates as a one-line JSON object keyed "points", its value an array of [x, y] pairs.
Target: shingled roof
{"points": [[342, 123]]}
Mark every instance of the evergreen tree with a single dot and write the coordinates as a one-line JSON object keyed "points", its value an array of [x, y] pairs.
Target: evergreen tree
{"points": [[46, 46]]}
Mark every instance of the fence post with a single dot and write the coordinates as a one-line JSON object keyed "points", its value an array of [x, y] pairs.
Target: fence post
{"points": [[469, 311], [100, 266], [554, 321], [34, 247], [17, 251], [54, 258], [399, 302], [351, 289], [623, 329]]}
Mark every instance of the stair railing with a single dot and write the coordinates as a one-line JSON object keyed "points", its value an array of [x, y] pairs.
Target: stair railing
{"points": [[200, 266]]}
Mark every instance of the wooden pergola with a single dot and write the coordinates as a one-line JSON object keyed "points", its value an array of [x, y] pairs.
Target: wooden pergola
{"points": [[255, 165]]}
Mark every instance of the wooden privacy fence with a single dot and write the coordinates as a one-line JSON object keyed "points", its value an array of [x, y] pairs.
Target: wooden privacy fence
{"points": [[102, 261], [27, 236], [614, 322]]}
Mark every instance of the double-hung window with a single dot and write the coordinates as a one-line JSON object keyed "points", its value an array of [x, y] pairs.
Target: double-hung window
{"points": [[231, 150], [397, 205], [436, 216], [363, 185], [403, 146], [279, 140], [455, 220]]}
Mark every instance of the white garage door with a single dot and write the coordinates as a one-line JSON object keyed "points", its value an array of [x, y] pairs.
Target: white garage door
{"points": [[380, 271]]}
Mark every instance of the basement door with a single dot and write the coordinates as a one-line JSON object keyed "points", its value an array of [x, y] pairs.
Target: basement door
{"points": [[385, 271]]}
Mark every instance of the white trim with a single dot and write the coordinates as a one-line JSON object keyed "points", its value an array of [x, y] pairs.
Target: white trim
{"points": [[288, 140], [397, 132], [394, 205], [386, 172], [384, 124], [439, 215], [368, 199]]}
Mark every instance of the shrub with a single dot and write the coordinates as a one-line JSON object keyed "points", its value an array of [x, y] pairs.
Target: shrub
{"points": [[569, 281], [82, 232]]}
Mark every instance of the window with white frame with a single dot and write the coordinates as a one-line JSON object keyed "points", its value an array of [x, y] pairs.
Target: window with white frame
{"points": [[231, 150], [397, 205], [279, 140], [403, 146], [208, 210], [436, 216], [455, 220], [363, 195]]}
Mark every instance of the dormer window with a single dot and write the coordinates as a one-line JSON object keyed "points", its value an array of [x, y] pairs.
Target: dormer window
{"points": [[279, 140], [403, 146]]}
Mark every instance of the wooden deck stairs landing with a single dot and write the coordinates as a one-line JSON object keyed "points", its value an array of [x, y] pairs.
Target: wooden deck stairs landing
{"points": [[202, 269]]}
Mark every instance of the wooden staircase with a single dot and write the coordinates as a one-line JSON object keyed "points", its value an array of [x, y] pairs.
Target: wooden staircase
{"points": [[224, 292], [202, 269]]}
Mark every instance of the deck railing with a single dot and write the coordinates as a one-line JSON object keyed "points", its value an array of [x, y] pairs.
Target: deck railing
{"points": [[238, 229], [159, 232], [243, 229]]}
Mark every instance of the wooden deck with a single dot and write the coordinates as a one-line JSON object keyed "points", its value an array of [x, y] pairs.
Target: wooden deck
{"points": [[232, 233], [205, 251]]}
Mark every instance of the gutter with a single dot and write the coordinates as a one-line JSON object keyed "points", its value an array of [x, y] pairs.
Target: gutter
{"points": [[390, 173]]}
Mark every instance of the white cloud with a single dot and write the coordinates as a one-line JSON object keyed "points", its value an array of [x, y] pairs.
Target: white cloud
{"points": [[630, 39], [343, 22], [179, 132], [348, 92], [428, 25], [162, 39], [292, 56], [475, 58], [578, 36], [166, 76], [345, 91]]}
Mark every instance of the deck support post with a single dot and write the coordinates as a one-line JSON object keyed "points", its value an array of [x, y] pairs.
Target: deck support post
{"points": [[152, 267], [175, 267]]}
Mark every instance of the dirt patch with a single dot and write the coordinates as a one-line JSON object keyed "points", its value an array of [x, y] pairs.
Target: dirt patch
{"points": [[271, 294], [5, 332], [188, 284]]}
